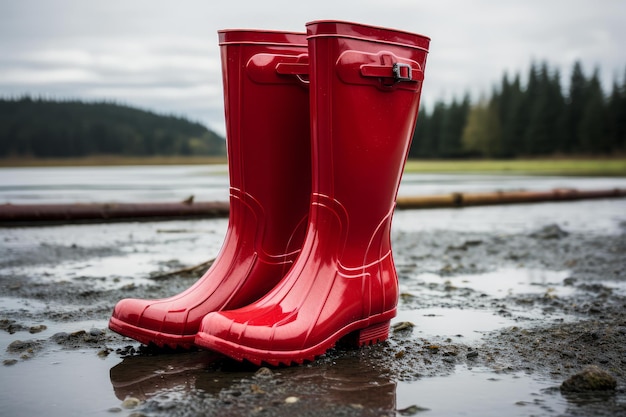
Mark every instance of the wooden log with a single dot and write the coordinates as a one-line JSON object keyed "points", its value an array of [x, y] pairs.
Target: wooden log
{"points": [[13, 214], [37, 214], [504, 197]]}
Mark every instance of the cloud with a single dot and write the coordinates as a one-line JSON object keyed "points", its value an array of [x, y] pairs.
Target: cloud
{"points": [[164, 55]]}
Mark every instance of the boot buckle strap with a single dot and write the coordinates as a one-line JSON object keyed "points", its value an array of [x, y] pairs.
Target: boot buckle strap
{"points": [[383, 70], [400, 69]]}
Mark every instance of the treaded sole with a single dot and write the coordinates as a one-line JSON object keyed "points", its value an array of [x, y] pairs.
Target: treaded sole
{"points": [[360, 333]]}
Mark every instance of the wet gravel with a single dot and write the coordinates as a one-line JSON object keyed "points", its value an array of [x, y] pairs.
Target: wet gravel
{"points": [[554, 331]]}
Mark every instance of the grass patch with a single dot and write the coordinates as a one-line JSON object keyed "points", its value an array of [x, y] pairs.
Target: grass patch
{"points": [[614, 167]]}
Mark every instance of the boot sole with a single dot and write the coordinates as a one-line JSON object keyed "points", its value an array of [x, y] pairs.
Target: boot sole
{"points": [[152, 337], [361, 333]]}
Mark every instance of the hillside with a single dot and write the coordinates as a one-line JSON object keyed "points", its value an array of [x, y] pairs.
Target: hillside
{"points": [[57, 129]]}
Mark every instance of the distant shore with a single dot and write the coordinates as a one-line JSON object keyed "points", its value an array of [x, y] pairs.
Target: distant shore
{"points": [[112, 160], [582, 166], [568, 166]]}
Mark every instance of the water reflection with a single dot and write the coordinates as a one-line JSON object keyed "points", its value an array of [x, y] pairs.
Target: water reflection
{"points": [[204, 379], [144, 376], [346, 384]]}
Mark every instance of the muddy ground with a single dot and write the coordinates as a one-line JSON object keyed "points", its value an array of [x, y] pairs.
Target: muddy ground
{"points": [[491, 321]]}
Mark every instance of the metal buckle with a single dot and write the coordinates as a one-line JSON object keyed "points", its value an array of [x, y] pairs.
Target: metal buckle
{"points": [[397, 72]]}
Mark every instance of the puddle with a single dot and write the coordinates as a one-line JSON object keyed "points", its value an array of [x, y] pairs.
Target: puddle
{"points": [[510, 281], [480, 392], [492, 285], [66, 383], [20, 304], [71, 383], [518, 218], [465, 325]]}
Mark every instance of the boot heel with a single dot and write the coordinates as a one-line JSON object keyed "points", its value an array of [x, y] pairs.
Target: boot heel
{"points": [[373, 334]]}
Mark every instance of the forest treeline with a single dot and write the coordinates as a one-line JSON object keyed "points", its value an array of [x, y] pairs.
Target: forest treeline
{"points": [[46, 128], [535, 118], [531, 119]]}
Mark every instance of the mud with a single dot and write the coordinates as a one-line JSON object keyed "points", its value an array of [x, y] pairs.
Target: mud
{"points": [[492, 319]]}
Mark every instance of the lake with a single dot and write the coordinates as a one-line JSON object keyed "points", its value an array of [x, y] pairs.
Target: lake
{"points": [[210, 183]]}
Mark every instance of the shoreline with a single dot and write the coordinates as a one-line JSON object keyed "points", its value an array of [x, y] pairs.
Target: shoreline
{"points": [[566, 166]]}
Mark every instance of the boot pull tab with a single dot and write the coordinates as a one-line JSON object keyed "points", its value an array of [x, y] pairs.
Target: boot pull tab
{"points": [[279, 69], [383, 70], [298, 69]]}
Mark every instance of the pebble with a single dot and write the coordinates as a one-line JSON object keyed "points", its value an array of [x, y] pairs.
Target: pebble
{"points": [[37, 329], [60, 337], [21, 346], [591, 378], [403, 325], [264, 373], [411, 410], [472, 354], [291, 400], [552, 231], [95, 332], [131, 402]]}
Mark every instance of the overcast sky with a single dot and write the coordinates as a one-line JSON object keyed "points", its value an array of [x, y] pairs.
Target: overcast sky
{"points": [[163, 55]]}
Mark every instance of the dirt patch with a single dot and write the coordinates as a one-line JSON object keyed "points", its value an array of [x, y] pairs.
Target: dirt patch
{"points": [[570, 314]]}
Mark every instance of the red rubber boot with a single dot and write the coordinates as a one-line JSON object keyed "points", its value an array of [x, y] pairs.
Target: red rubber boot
{"points": [[365, 85], [269, 163]]}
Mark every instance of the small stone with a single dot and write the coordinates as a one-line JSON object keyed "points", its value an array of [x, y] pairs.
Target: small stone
{"points": [[591, 378], [60, 337], [403, 325], [256, 389], [568, 282], [552, 231], [411, 410], [114, 410], [37, 329], [21, 346], [433, 348], [472, 354], [130, 402], [264, 373], [9, 362], [292, 400], [95, 332], [104, 352]]}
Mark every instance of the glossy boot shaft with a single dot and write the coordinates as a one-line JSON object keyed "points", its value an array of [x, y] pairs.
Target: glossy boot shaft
{"points": [[268, 144], [365, 85]]}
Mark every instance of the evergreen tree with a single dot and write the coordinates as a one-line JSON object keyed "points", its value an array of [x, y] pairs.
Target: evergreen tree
{"points": [[512, 118], [616, 117], [418, 147], [546, 107], [591, 128], [576, 103], [612, 118], [454, 118]]}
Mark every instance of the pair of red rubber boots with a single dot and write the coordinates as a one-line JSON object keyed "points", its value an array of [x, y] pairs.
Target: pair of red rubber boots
{"points": [[318, 130]]}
